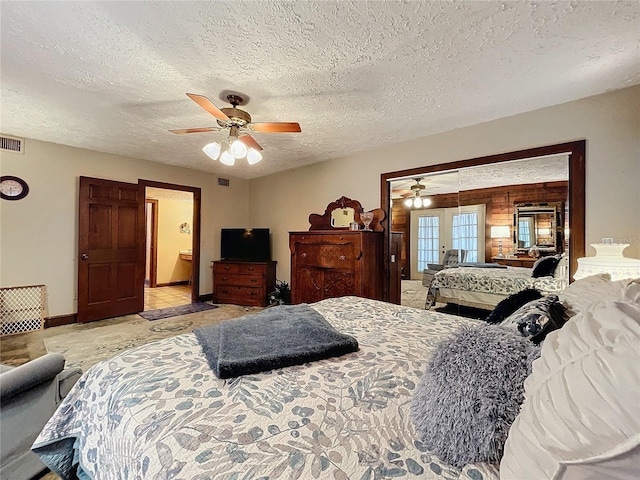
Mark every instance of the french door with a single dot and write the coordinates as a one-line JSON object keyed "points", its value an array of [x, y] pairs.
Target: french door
{"points": [[434, 231]]}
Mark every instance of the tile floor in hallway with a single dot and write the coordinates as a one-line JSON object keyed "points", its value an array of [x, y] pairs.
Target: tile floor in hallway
{"points": [[164, 297]]}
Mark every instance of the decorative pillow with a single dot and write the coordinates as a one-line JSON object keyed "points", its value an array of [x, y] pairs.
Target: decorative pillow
{"points": [[583, 293], [545, 266], [537, 318], [471, 392], [562, 269], [512, 303], [581, 414]]}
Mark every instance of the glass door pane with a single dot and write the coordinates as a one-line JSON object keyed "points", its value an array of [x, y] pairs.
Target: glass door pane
{"points": [[428, 231]]}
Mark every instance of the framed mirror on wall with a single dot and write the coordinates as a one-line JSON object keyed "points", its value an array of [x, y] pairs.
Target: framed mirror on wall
{"points": [[538, 226], [527, 176]]}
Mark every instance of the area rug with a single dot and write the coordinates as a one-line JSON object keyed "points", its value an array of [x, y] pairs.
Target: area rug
{"points": [[175, 311]]}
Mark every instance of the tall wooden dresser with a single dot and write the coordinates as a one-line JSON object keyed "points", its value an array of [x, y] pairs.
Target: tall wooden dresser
{"points": [[329, 263]]}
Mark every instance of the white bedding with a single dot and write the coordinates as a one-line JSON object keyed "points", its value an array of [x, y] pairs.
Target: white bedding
{"points": [[486, 287]]}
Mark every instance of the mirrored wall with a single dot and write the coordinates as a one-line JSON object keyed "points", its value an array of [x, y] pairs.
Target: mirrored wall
{"points": [[507, 209]]}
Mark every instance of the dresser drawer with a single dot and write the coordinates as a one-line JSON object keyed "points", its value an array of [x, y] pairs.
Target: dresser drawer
{"points": [[240, 295], [238, 279], [326, 256], [239, 268]]}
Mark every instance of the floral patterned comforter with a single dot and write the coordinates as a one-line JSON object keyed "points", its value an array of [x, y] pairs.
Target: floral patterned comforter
{"points": [[159, 412], [503, 281]]}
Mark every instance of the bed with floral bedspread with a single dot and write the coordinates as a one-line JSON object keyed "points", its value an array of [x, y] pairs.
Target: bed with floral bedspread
{"points": [[486, 287], [158, 411]]}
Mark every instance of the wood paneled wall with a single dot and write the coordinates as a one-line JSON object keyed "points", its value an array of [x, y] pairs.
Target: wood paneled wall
{"points": [[499, 203]]}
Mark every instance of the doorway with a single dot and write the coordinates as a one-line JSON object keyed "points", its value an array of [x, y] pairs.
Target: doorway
{"points": [[437, 230], [172, 235]]}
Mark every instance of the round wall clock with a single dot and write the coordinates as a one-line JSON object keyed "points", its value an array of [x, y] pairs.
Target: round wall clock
{"points": [[13, 188]]}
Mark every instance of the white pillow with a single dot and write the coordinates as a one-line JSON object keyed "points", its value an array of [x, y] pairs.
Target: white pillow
{"points": [[583, 293], [580, 418], [562, 269]]}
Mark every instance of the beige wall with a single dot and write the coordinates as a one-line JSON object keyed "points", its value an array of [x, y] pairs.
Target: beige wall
{"points": [[171, 214], [38, 243], [38, 234], [610, 123]]}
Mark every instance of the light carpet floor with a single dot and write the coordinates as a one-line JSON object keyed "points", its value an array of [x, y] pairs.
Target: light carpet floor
{"points": [[413, 294], [84, 345]]}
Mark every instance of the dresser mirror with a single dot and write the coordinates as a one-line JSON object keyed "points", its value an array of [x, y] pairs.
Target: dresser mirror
{"points": [[341, 213], [538, 225], [342, 217]]}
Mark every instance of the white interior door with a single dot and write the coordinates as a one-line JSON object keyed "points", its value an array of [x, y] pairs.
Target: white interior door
{"points": [[433, 231]]}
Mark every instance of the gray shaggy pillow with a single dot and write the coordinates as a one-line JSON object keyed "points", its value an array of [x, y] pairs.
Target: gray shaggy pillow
{"points": [[471, 392]]}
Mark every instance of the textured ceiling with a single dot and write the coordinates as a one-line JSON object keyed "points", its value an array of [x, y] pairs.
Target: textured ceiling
{"points": [[553, 168], [112, 76]]}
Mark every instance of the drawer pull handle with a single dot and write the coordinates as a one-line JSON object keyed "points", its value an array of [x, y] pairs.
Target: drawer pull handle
{"points": [[225, 278], [252, 294], [227, 268], [342, 257], [304, 254], [253, 280], [251, 269]]}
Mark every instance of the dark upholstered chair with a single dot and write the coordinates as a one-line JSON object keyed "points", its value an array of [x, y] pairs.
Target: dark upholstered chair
{"points": [[451, 259], [29, 394]]}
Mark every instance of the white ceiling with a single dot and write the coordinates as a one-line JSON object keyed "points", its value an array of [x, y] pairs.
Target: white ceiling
{"points": [[112, 76]]}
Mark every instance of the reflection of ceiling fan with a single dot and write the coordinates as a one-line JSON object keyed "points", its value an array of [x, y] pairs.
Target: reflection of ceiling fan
{"points": [[238, 122], [416, 200]]}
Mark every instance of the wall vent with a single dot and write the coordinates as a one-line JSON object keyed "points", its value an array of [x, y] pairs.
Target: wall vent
{"points": [[11, 144], [223, 181]]}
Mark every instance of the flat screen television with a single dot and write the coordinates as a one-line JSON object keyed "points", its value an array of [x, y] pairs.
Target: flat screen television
{"points": [[245, 244]]}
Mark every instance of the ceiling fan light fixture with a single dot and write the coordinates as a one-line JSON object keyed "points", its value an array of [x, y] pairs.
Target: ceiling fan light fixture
{"points": [[238, 122], [417, 202], [238, 149], [212, 150], [253, 156], [408, 202], [227, 158]]}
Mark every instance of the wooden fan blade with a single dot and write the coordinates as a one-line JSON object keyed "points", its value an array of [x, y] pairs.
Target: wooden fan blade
{"points": [[249, 141], [195, 130], [208, 105], [276, 127]]}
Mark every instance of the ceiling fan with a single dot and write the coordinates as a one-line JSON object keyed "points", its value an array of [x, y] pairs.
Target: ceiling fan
{"points": [[416, 200], [238, 122]]}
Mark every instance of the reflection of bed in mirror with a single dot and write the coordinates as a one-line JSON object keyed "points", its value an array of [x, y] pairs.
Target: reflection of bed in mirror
{"points": [[485, 287], [520, 177]]}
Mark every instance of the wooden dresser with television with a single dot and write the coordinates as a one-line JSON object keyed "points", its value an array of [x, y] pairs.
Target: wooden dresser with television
{"points": [[243, 282]]}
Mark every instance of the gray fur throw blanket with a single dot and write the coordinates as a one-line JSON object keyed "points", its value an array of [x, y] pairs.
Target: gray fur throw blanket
{"points": [[471, 392], [277, 337]]}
